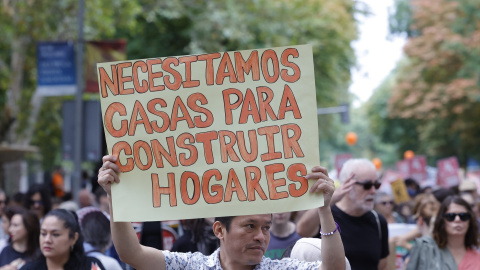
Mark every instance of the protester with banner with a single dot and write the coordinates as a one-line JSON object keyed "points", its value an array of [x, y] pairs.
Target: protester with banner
{"points": [[243, 239]]}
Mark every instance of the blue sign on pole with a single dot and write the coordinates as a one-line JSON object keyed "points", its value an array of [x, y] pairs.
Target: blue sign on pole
{"points": [[56, 69]]}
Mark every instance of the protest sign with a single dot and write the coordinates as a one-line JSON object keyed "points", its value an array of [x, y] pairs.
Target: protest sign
{"points": [[101, 51], [418, 169], [403, 167], [447, 175], [216, 134], [399, 191], [415, 168]]}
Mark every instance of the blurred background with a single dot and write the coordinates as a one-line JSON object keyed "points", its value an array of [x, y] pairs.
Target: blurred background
{"points": [[397, 80]]}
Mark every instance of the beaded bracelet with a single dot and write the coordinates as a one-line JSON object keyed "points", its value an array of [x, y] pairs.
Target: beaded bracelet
{"points": [[330, 233]]}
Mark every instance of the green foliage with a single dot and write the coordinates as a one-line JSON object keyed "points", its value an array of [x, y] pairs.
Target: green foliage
{"points": [[22, 24], [48, 132], [401, 134], [156, 38], [160, 28], [400, 18]]}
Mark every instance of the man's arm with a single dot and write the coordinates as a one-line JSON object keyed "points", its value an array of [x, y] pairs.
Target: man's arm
{"points": [[123, 235], [309, 224], [333, 254], [382, 265]]}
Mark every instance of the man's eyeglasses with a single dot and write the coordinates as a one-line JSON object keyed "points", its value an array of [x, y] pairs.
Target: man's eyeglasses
{"points": [[369, 184], [464, 216], [387, 202]]}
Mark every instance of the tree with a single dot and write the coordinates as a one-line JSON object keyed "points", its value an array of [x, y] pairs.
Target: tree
{"points": [[398, 134], [160, 28], [439, 88]]}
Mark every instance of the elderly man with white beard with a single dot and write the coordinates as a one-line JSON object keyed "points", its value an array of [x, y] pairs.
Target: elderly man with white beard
{"points": [[364, 231]]}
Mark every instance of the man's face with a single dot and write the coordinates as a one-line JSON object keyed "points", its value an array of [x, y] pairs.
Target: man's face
{"points": [[281, 218], [247, 240], [363, 199]]}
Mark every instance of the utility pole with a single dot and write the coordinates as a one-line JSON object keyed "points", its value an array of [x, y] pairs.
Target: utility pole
{"points": [[343, 110], [77, 160]]}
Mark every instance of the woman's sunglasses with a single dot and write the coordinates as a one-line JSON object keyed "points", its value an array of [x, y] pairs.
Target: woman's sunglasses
{"points": [[463, 216], [387, 202], [369, 184]]}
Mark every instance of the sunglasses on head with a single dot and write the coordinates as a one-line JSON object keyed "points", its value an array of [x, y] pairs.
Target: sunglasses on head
{"points": [[463, 216], [369, 184]]}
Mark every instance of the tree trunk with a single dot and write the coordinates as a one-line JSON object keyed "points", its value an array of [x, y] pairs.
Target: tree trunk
{"points": [[15, 92]]}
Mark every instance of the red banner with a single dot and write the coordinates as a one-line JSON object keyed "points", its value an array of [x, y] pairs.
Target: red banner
{"points": [[98, 52], [415, 168], [447, 175], [418, 169]]}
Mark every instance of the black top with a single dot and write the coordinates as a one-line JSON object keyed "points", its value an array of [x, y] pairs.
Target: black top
{"points": [[152, 235], [361, 238], [206, 245], [89, 263], [9, 254]]}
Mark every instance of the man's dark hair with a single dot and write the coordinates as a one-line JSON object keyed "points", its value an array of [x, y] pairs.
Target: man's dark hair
{"points": [[410, 182], [96, 230], [442, 193], [99, 193], [225, 221], [44, 194]]}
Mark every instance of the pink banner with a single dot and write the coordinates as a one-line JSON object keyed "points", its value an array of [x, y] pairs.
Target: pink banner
{"points": [[447, 175], [403, 167], [418, 169]]}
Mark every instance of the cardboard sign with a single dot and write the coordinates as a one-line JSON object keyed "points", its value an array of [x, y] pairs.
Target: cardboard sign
{"points": [[399, 191], [447, 175], [415, 168], [217, 134]]}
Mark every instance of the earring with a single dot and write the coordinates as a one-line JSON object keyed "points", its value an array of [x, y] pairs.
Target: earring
{"points": [[71, 248]]}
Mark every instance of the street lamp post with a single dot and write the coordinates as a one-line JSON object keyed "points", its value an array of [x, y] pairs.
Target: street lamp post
{"points": [[77, 173]]}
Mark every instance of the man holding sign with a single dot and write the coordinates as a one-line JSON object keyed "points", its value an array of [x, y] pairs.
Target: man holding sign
{"points": [[211, 133], [224, 134], [243, 239]]}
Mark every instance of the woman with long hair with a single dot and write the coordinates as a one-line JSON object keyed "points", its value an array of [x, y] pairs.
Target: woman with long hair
{"points": [[61, 244], [38, 200], [23, 245], [453, 242]]}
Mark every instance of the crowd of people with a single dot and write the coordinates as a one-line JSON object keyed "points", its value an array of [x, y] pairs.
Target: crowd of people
{"points": [[351, 231], [40, 231]]}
